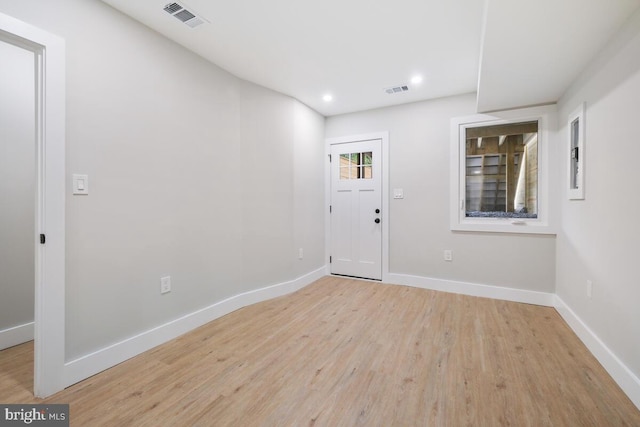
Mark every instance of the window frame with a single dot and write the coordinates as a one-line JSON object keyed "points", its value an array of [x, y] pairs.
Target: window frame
{"points": [[458, 219]]}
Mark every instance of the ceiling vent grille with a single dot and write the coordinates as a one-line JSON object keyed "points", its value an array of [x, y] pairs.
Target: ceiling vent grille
{"points": [[396, 89], [184, 15], [172, 8]]}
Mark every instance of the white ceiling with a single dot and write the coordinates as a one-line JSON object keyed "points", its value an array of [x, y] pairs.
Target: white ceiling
{"points": [[354, 49], [533, 50]]}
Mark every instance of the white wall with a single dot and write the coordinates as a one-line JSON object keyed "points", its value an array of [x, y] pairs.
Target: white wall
{"points": [[419, 140], [599, 239], [193, 173], [308, 189], [17, 186]]}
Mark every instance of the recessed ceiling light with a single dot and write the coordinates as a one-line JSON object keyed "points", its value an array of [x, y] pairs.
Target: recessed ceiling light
{"points": [[327, 98], [416, 79]]}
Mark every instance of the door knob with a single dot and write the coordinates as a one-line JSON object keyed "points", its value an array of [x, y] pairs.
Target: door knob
{"points": [[377, 210], [377, 220]]}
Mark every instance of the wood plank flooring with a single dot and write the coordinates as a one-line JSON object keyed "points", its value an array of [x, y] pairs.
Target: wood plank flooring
{"points": [[344, 352]]}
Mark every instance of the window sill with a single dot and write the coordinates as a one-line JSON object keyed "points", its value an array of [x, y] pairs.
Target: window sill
{"points": [[504, 225]]}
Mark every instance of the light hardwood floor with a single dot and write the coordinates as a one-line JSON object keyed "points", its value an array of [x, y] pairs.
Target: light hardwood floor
{"points": [[344, 352]]}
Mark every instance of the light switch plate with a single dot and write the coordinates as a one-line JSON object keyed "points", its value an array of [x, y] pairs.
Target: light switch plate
{"points": [[165, 284], [80, 184]]}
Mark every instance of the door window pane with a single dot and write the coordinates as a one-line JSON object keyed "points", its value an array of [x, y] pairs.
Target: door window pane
{"points": [[356, 165]]}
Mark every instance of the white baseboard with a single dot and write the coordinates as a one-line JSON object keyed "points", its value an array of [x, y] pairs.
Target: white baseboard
{"points": [[90, 364], [16, 335], [620, 373], [473, 289]]}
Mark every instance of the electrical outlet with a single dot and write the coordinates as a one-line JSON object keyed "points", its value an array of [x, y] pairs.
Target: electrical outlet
{"points": [[448, 255], [165, 284], [300, 253], [589, 288]]}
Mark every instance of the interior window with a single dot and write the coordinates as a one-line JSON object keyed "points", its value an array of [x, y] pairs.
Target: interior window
{"points": [[501, 178]]}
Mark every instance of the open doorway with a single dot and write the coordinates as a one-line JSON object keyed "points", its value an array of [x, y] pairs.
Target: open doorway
{"points": [[34, 196], [17, 212], [17, 195]]}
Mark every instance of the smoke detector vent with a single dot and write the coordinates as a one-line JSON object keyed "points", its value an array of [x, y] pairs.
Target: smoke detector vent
{"points": [[186, 16], [396, 89]]}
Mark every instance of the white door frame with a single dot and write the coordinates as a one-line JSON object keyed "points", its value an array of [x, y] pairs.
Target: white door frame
{"points": [[384, 138], [49, 328]]}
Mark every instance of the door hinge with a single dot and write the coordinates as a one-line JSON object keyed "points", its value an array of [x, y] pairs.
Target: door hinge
{"points": [[329, 208], [42, 239], [329, 158], [329, 259]]}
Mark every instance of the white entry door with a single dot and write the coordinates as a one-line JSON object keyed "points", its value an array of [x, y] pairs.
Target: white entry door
{"points": [[356, 209]]}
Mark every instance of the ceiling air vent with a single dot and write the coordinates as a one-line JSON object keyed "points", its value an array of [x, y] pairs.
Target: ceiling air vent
{"points": [[172, 8], [396, 89], [184, 15]]}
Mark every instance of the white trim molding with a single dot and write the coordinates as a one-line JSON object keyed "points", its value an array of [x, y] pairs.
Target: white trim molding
{"points": [[474, 289], [16, 335], [98, 361], [621, 374]]}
